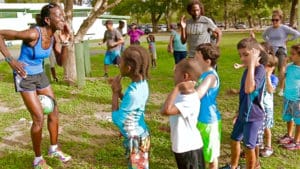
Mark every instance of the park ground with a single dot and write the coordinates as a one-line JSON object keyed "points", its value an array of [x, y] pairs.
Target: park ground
{"points": [[86, 131]]}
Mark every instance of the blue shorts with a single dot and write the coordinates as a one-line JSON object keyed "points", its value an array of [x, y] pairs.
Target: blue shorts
{"points": [[111, 56], [246, 131], [179, 55], [291, 111]]}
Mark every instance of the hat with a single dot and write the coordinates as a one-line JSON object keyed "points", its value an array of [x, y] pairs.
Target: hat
{"points": [[109, 22]]}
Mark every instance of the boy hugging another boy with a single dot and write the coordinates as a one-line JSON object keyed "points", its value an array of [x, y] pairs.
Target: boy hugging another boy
{"points": [[182, 105], [209, 120]]}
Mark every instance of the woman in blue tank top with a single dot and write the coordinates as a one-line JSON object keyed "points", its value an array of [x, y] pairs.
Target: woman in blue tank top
{"points": [[29, 76]]}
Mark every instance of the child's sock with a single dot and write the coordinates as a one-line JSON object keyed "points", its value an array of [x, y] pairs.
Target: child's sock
{"points": [[37, 160], [53, 148]]}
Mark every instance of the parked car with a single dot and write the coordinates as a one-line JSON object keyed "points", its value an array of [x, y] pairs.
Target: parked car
{"points": [[220, 25], [240, 26], [162, 27]]}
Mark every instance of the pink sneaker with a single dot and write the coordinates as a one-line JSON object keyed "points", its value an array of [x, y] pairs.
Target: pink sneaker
{"points": [[292, 146], [285, 140]]}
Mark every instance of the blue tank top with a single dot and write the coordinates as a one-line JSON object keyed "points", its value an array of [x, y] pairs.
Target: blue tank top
{"points": [[33, 57], [209, 112]]}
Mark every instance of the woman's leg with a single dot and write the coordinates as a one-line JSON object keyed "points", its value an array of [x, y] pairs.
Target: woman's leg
{"points": [[52, 117], [34, 107]]}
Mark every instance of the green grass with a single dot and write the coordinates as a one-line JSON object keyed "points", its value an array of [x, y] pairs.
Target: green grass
{"points": [[95, 144]]}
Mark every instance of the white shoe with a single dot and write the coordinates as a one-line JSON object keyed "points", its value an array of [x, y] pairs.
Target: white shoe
{"points": [[280, 93]]}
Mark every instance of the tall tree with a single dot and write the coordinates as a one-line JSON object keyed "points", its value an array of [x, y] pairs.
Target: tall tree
{"points": [[99, 8], [293, 13]]}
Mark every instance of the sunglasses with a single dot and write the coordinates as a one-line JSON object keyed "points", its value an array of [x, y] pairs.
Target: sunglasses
{"points": [[275, 20]]}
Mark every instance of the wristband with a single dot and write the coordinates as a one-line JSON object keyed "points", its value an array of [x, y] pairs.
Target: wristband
{"points": [[8, 59]]}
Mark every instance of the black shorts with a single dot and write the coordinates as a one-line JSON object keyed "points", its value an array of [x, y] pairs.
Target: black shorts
{"points": [[179, 55], [31, 82], [190, 160], [281, 55]]}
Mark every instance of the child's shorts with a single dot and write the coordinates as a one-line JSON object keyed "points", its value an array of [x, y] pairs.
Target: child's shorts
{"points": [[191, 159], [137, 151], [269, 118], [246, 131], [111, 56], [211, 137], [291, 111]]}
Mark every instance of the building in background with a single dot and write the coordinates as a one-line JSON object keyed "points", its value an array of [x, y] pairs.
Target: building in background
{"points": [[20, 16]]}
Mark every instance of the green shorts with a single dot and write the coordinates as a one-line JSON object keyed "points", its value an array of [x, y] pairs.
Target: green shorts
{"points": [[211, 136]]}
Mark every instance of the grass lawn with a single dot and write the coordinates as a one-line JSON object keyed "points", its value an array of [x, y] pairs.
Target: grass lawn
{"points": [[93, 141]]}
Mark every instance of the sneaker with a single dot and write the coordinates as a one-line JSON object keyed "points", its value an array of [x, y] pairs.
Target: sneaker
{"points": [[267, 152], [42, 165], [286, 140], [105, 75], [59, 154], [228, 166], [292, 146]]}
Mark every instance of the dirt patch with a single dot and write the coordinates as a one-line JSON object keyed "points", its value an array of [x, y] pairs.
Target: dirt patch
{"points": [[5, 109], [18, 135], [157, 98]]}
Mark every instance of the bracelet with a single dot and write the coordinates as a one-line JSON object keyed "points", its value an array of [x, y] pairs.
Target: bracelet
{"points": [[8, 59]]}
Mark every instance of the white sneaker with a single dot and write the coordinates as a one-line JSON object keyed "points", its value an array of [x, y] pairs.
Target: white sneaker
{"points": [[280, 93]]}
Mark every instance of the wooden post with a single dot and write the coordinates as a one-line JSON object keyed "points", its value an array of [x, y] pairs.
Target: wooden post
{"points": [[80, 64], [87, 61]]}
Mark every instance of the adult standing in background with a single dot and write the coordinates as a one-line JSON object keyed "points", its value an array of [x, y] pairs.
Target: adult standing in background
{"points": [[29, 76], [175, 45], [278, 36], [135, 34], [195, 30], [113, 40], [120, 29]]}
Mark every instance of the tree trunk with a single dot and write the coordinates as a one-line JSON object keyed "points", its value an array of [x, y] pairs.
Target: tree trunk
{"points": [[70, 75], [155, 20], [99, 8], [225, 15], [249, 17], [293, 13], [154, 23]]}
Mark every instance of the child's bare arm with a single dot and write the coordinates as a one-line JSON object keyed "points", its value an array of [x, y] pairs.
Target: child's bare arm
{"points": [[250, 78], [117, 92], [169, 108], [209, 82], [269, 85]]}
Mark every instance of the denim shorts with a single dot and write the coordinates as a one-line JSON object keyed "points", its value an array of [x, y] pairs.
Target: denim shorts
{"points": [[291, 111], [246, 131]]}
